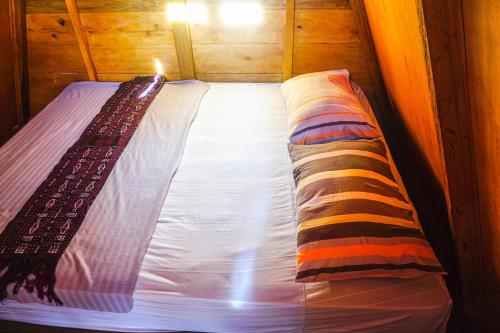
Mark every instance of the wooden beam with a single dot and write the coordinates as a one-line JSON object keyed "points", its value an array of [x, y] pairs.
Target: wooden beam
{"points": [[183, 46], [289, 29], [81, 37]]}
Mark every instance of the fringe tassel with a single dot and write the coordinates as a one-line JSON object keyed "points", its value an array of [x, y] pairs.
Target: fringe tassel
{"points": [[31, 273]]}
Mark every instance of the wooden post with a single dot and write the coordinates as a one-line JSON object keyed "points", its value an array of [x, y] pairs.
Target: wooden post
{"points": [[183, 46], [82, 39], [289, 29], [18, 38]]}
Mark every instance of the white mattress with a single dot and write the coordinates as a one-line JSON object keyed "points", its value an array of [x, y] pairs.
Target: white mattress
{"points": [[222, 258]]}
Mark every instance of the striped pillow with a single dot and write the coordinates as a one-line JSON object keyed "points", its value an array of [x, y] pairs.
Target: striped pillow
{"points": [[353, 222], [322, 107]]}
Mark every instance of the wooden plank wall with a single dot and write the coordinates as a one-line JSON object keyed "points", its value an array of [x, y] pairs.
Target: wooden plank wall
{"points": [[439, 61], [326, 36], [10, 114], [240, 53], [420, 104], [445, 37], [400, 43], [125, 36], [482, 44], [54, 59]]}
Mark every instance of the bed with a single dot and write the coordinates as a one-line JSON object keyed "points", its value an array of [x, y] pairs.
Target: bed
{"points": [[222, 256]]}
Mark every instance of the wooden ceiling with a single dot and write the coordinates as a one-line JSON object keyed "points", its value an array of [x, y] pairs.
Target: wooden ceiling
{"points": [[114, 40]]}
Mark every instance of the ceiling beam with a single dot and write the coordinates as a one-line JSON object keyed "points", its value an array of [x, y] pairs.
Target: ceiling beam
{"points": [[289, 30], [81, 37], [183, 46]]}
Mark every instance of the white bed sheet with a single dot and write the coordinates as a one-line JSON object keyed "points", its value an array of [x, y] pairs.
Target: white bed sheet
{"points": [[222, 258]]}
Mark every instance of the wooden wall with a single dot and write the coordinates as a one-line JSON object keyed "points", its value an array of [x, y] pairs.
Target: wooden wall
{"points": [[418, 99], [11, 68], [440, 63], [125, 36], [326, 37], [8, 111], [482, 43], [240, 53], [399, 38]]}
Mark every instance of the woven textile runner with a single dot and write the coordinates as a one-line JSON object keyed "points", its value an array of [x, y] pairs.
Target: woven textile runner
{"points": [[34, 241]]}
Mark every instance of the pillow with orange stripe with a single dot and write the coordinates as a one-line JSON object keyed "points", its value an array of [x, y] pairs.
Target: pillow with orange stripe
{"points": [[353, 221], [322, 107]]}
